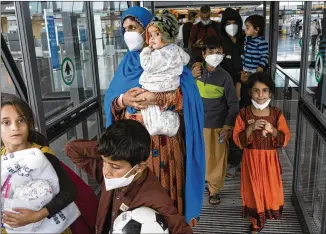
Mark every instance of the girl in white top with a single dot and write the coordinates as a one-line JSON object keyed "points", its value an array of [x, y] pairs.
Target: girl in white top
{"points": [[163, 63]]}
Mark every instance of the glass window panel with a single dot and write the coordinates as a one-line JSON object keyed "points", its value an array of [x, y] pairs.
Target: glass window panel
{"points": [[58, 6], [290, 111], [286, 98], [7, 86], [67, 6], [311, 183], [62, 51], [109, 40], [279, 89], [290, 31], [98, 6], [85, 130], [315, 90], [9, 30], [78, 7]]}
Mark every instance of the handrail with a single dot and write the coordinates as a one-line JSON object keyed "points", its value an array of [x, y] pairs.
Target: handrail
{"points": [[72, 111], [289, 76], [58, 110]]}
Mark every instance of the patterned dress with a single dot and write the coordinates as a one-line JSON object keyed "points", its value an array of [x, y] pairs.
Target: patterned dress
{"points": [[167, 156], [261, 182]]}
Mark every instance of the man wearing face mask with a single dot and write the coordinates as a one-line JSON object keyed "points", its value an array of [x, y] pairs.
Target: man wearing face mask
{"points": [[186, 29], [220, 110], [118, 163], [233, 44], [200, 31]]}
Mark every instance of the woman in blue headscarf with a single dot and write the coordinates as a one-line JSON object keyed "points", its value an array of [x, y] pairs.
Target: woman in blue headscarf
{"points": [[179, 161]]}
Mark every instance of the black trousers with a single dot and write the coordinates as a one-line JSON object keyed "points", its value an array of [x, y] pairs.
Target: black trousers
{"points": [[235, 153], [313, 41]]}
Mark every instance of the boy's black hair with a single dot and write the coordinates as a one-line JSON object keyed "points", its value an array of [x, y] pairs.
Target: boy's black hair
{"points": [[212, 43], [205, 9], [262, 77], [257, 21], [126, 140]]}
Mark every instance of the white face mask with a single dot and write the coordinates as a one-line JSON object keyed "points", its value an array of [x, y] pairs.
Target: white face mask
{"points": [[206, 22], [214, 60], [114, 183], [231, 29], [261, 106], [134, 40]]}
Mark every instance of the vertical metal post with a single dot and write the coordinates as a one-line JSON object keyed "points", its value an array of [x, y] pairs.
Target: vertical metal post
{"points": [[267, 17], [273, 37], [30, 63], [153, 7], [302, 81], [323, 226], [305, 47], [134, 3], [264, 10], [286, 109], [94, 64], [77, 93]]}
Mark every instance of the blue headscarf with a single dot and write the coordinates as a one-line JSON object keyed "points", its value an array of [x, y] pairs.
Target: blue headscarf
{"points": [[127, 77], [129, 70]]}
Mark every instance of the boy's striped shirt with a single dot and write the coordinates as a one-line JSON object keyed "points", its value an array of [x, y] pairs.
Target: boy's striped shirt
{"points": [[255, 53]]}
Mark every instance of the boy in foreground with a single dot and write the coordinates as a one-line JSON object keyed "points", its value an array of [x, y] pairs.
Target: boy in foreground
{"points": [[118, 163]]}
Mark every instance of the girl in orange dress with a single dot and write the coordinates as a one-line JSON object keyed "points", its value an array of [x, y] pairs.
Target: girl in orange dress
{"points": [[259, 130]]}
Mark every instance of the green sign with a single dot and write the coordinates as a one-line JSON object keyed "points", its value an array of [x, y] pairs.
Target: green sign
{"points": [[319, 67], [68, 71], [300, 42]]}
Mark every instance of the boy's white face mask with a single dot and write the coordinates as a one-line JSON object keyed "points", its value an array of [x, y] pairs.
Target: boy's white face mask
{"points": [[115, 183], [261, 106], [214, 60]]}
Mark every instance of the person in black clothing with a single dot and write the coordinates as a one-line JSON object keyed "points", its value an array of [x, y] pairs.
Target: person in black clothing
{"points": [[187, 28], [233, 38]]}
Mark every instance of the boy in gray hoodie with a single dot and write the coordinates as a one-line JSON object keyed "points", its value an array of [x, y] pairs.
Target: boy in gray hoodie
{"points": [[221, 107]]}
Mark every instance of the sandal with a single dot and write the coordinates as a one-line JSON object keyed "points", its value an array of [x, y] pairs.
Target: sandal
{"points": [[214, 197], [231, 171], [253, 230]]}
